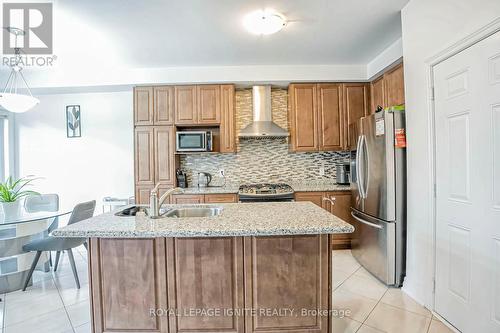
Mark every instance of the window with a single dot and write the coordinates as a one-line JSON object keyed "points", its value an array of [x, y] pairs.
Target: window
{"points": [[6, 146]]}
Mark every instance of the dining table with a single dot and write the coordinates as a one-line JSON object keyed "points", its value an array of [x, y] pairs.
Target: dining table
{"points": [[17, 228]]}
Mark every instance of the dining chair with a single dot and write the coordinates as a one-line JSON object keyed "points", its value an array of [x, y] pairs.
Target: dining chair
{"points": [[44, 202], [81, 212]]}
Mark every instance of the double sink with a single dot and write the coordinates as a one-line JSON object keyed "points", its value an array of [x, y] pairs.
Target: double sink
{"points": [[181, 212]]}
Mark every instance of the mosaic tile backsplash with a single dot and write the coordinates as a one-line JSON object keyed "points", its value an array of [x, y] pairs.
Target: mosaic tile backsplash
{"points": [[262, 160]]}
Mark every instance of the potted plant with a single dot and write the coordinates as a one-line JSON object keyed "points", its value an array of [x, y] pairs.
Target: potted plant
{"points": [[11, 192]]}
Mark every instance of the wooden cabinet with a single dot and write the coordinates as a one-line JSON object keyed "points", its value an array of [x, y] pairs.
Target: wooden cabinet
{"points": [[320, 114], [208, 104], [205, 273], [290, 270], [127, 279], [163, 105], [204, 198], [303, 117], [154, 159], [144, 156], [314, 197], [221, 198], [330, 117], [188, 199], [157, 284], [204, 105], [154, 106], [377, 94], [164, 143], [143, 106], [394, 86], [341, 209], [356, 104], [388, 90], [227, 119], [186, 107]]}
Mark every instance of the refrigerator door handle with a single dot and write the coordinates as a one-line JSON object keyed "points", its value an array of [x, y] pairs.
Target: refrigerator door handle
{"points": [[366, 178], [366, 222], [358, 167], [361, 166]]}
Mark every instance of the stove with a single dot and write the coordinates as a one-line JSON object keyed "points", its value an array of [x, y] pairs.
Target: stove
{"points": [[265, 192]]}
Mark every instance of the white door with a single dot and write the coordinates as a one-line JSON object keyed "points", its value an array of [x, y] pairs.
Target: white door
{"points": [[467, 100]]}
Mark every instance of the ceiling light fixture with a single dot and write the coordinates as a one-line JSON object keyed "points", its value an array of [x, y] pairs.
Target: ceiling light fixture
{"points": [[264, 22], [9, 98]]}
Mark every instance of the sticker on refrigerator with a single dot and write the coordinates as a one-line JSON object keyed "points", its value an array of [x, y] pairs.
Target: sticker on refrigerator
{"points": [[399, 138], [379, 127]]}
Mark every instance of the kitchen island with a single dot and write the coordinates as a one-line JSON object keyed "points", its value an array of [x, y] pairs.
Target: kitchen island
{"points": [[255, 267]]}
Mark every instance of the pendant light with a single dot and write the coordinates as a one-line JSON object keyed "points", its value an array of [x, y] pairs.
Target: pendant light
{"points": [[10, 99]]}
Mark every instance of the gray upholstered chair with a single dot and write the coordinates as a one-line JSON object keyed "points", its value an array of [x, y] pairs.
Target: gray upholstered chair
{"points": [[81, 212], [46, 203]]}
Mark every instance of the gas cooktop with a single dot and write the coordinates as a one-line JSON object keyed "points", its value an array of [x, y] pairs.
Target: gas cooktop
{"points": [[267, 192]]}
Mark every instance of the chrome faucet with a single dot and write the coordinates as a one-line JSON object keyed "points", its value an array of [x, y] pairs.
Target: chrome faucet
{"points": [[155, 203]]}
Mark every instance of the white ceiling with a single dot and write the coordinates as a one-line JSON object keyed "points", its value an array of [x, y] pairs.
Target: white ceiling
{"points": [[169, 33]]}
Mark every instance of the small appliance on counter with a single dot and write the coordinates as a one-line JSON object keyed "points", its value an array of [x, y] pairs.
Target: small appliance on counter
{"points": [[194, 141], [204, 178], [343, 172], [181, 178]]}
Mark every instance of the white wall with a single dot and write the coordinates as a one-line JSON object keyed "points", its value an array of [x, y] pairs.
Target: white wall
{"points": [[429, 26], [387, 57], [98, 164]]}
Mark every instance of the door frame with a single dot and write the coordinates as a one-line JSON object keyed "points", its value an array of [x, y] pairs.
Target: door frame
{"points": [[463, 44]]}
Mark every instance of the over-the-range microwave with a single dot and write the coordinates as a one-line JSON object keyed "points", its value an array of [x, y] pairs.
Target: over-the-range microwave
{"points": [[187, 141]]}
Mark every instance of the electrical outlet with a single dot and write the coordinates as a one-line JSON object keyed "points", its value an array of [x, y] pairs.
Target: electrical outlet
{"points": [[222, 173], [321, 171]]}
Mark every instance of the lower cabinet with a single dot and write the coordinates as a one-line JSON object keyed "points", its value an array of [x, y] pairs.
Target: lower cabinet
{"points": [[291, 271], [341, 209], [187, 199], [204, 198], [161, 284], [127, 280], [205, 273], [221, 198]]}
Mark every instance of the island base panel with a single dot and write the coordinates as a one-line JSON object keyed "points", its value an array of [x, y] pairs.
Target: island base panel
{"points": [[130, 278]]}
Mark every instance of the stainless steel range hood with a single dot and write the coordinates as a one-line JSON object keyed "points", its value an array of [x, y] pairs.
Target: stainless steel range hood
{"points": [[262, 124]]}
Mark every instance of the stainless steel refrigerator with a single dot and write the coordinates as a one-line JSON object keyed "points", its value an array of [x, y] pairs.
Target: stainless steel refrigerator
{"points": [[378, 180]]}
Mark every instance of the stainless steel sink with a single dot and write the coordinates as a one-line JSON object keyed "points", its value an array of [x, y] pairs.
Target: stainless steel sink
{"points": [[194, 212]]}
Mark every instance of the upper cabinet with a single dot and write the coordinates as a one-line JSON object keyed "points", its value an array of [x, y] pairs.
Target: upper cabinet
{"points": [[394, 86], [208, 104], [163, 105], [303, 117], [153, 106], [377, 94], [198, 105], [143, 106], [227, 119], [356, 104], [320, 114], [388, 90], [330, 117], [186, 108]]}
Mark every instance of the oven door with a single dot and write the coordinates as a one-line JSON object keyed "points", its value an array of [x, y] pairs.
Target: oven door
{"points": [[191, 141]]}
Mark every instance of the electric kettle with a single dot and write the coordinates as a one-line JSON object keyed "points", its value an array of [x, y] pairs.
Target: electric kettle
{"points": [[204, 178]]}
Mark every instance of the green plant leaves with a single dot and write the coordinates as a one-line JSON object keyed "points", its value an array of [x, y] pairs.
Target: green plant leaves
{"points": [[12, 190]]}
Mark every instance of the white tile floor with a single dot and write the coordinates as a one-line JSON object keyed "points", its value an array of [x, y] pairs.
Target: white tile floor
{"points": [[54, 305]]}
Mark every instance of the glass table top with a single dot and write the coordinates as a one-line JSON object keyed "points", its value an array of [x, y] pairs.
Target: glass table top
{"points": [[21, 215]]}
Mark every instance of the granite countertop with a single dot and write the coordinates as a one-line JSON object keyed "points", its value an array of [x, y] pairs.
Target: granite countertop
{"points": [[312, 186], [236, 219]]}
